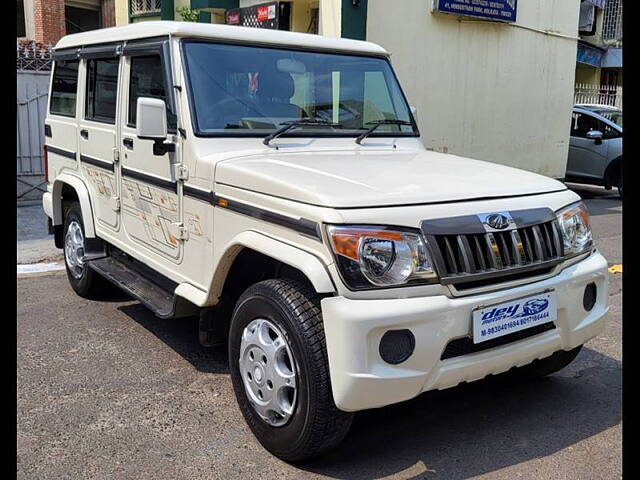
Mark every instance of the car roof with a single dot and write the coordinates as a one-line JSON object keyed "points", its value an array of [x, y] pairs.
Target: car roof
{"points": [[219, 32], [597, 111]]}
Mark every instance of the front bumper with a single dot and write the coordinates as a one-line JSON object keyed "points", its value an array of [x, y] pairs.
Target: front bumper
{"points": [[361, 379]]}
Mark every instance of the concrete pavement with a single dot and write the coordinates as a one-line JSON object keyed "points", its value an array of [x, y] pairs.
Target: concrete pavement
{"points": [[34, 244]]}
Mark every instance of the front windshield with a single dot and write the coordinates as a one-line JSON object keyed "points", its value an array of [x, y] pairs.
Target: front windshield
{"points": [[246, 90], [612, 115]]}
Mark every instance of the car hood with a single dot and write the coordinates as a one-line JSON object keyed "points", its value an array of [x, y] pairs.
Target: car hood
{"points": [[354, 179]]}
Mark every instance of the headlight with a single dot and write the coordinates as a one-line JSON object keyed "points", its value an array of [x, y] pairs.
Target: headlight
{"points": [[378, 257], [575, 227]]}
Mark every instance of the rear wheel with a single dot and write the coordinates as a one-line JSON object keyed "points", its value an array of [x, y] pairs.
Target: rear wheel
{"points": [[280, 373], [84, 281]]}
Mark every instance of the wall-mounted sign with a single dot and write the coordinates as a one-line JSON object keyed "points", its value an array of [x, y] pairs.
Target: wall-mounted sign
{"points": [[267, 12], [272, 15], [233, 17], [502, 10]]}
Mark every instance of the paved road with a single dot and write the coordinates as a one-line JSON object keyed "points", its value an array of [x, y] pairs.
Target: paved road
{"points": [[106, 390]]}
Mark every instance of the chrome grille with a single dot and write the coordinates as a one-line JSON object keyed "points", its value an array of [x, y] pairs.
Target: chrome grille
{"points": [[464, 250]]}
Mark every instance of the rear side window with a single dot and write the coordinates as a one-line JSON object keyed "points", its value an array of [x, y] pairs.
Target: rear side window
{"points": [[102, 89], [64, 88], [147, 80]]}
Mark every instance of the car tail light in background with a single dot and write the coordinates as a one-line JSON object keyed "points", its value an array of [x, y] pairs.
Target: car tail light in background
{"points": [[46, 164]]}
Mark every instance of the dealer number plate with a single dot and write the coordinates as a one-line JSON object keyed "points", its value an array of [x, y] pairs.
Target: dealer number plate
{"points": [[499, 320]]}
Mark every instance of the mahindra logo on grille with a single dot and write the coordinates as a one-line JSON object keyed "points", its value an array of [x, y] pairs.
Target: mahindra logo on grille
{"points": [[497, 221]]}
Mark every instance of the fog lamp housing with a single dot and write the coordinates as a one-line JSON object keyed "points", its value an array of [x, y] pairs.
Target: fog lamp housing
{"points": [[396, 346], [590, 296]]}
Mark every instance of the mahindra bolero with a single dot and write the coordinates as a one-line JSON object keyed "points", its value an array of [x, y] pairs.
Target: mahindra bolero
{"points": [[274, 185]]}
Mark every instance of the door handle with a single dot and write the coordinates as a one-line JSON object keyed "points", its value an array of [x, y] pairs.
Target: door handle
{"points": [[128, 142], [84, 133]]}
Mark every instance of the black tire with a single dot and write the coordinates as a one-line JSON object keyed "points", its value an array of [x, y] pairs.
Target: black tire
{"points": [[89, 284], [547, 366], [316, 425]]}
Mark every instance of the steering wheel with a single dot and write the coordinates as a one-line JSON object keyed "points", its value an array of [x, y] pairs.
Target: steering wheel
{"points": [[216, 114]]}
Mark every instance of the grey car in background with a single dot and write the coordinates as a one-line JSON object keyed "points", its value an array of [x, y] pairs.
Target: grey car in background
{"points": [[595, 146]]}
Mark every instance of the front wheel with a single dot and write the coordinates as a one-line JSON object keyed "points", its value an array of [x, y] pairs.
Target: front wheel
{"points": [[280, 373]]}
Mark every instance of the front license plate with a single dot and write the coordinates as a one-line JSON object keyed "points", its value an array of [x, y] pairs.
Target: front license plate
{"points": [[505, 318]]}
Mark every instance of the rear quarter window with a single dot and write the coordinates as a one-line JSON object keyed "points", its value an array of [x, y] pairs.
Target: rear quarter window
{"points": [[64, 88]]}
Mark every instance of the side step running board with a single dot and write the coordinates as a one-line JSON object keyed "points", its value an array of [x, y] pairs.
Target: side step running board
{"points": [[138, 281]]}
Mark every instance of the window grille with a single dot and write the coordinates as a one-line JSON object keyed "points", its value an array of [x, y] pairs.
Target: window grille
{"points": [[612, 23], [144, 7]]}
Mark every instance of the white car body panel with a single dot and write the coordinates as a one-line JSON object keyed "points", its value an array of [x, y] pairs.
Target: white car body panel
{"points": [[335, 179]]}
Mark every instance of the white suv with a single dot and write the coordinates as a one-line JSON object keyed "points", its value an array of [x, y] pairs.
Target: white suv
{"points": [[275, 184]]}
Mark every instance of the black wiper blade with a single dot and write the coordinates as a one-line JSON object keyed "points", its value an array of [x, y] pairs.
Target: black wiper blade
{"points": [[377, 123], [286, 126]]}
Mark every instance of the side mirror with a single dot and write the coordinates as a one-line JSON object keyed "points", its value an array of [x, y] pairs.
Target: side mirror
{"points": [[414, 110], [595, 135], [151, 119], [151, 124]]}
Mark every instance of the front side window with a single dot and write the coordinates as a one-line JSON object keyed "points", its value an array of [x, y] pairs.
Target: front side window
{"points": [[615, 117], [64, 88], [147, 80], [582, 123], [253, 90], [102, 89]]}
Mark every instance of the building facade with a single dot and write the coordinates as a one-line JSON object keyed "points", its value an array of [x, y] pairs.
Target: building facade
{"points": [[599, 58], [46, 21], [492, 80], [308, 16], [500, 91]]}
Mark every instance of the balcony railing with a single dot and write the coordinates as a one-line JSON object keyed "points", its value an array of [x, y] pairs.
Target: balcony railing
{"points": [[144, 7], [598, 94], [33, 56]]}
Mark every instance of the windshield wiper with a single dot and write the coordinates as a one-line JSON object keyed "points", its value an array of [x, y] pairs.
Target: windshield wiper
{"points": [[376, 124], [298, 123]]}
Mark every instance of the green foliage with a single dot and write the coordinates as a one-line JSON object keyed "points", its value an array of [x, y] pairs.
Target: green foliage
{"points": [[188, 15]]}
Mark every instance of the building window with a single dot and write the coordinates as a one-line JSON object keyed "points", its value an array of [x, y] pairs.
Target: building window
{"points": [[102, 90], [64, 88], [81, 19], [612, 23], [145, 7]]}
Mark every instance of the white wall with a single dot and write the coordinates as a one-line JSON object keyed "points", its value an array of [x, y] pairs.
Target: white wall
{"points": [[486, 90]]}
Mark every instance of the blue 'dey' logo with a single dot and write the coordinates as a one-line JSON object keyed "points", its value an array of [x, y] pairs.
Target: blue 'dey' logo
{"points": [[535, 306], [530, 307]]}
